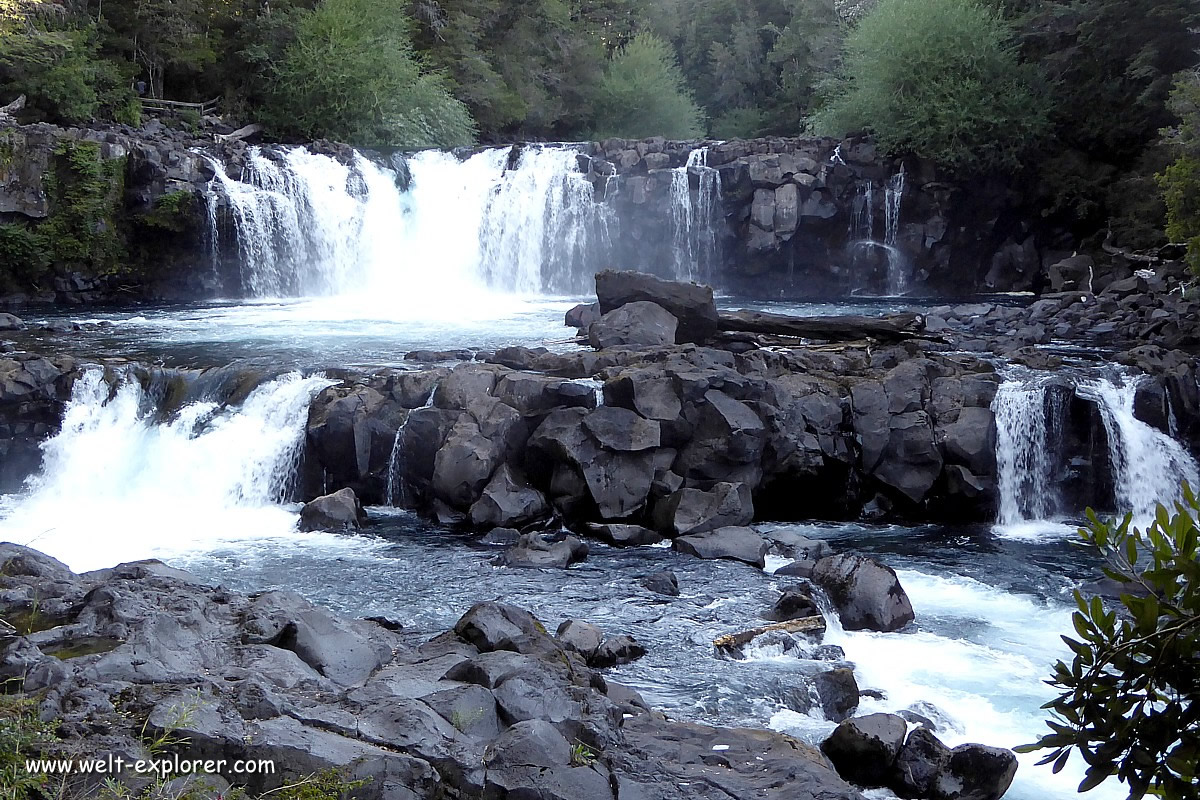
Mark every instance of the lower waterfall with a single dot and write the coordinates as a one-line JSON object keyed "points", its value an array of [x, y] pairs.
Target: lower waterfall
{"points": [[119, 484]]}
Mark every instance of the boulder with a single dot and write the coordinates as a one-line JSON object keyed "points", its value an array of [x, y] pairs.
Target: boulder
{"points": [[616, 650], [9, 322], [640, 324], [867, 594], [976, 772], [795, 602], [693, 511], [839, 693], [922, 761], [622, 430], [736, 543], [692, 305], [582, 637], [532, 743], [624, 535], [539, 550], [340, 511], [971, 440], [583, 315], [464, 463], [864, 749], [665, 583], [507, 501], [497, 626]]}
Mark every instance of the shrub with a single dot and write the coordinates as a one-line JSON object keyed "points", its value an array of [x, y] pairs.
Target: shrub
{"points": [[351, 74], [1129, 698], [936, 78], [643, 93]]}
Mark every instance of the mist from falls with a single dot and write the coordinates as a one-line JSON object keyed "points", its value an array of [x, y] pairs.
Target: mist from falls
{"points": [[525, 222]]}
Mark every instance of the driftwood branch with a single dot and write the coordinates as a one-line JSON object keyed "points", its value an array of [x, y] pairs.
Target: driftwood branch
{"points": [[731, 640], [893, 327], [239, 134]]}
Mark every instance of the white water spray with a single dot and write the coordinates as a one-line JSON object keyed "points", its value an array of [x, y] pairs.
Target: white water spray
{"points": [[116, 485], [694, 218], [1024, 463]]}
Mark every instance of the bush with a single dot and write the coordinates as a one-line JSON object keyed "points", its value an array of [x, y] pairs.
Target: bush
{"points": [[351, 74], [643, 93], [1129, 700], [1180, 182], [936, 78]]}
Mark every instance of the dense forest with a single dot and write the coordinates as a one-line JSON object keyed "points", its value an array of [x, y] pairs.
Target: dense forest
{"points": [[1093, 106]]}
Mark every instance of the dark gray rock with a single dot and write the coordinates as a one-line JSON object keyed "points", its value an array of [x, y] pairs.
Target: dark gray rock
{"points": [[508, 500], [10, 322], [737, 543], [634, 325], [616, 650], [864, 749], [340, 511], [976, 772], [532, 743], [624, 535], [622, 430], [691, 304], [539, 550], [795, 602], [582, 637], [922, 761], [497, 626], [971, 440], [583, 315], [665, 583], [694, 511], [839, 693], [867, 594]]}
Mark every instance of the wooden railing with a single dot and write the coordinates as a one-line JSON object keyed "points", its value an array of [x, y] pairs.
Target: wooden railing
{"points": [[174, 107]]}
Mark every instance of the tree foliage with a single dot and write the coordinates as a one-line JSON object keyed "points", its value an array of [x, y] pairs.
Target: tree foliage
{"points": [[1130, 700], [351, 74], [1180, 182], [937, 78], [643, 93]]}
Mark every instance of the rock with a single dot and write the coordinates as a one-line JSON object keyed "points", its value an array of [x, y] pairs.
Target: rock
{"points": [[646, 391], [464, 463], [582, 637], [624, 535], [622, 430], [694, 511], [690, 304], [867, 594], [9, 322], [971, 440], [616, 650], [1072, 274], [640, 324], [838, 691], [538, 550], [736, 543], [864, 749], [340, 511], [976, 772], [796, 602], [533, 743], [922, 761], [665, 583], [496, 626], [583, 315], [797, 569], [508, 500]]}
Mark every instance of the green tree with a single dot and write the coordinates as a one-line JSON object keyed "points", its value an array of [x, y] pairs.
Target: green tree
{"points": [[1130, 701], [1180, 182], [643, 93], [939, 79], [351, 74]]}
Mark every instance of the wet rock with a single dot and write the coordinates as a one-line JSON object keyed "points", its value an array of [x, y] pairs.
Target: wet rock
{"points": [[340, 511], [922, 761], [690, 304], [582, 637], [497, 626], [583, 315], [665, 583], [795, 603], [736, 543], [464, 464], [508, 500], [540, 550], [9, 322], [971, 440], [863, 749], [867, 594], [624, 535], [797, 569], [635, 325], [646, 391], [976, 772], [839, 693], [616, 650]]}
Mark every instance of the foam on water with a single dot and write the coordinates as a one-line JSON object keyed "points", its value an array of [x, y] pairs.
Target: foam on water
{"points": [[119, 485]]}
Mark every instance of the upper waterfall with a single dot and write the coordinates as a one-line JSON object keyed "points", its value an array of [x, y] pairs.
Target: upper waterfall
{"points": [[525, 220]]}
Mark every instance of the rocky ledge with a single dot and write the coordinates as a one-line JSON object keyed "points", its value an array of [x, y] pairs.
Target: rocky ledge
{"points": [[142, 662]]}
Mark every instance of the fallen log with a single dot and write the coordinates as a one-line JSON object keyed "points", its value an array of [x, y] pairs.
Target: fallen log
{"points": [[893, 327], [241, 133], [731, 640]]}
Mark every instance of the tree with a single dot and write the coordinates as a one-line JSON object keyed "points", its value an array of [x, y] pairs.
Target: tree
{"points": [[939, 79], [1130, 701], [643, 93], [351, 74], [1180, 182]]}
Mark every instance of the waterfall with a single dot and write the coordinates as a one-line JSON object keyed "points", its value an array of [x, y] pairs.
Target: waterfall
{"points": [[696, 244], [862, 241], [396, 493], [862, 219], [1147, 464], [1024, 459], [118, 482], [897, 276]]}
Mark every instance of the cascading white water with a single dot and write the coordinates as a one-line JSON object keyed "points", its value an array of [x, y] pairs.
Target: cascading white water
{"points": [[1024, 461], [897, 264], [694, 219], [396, 492], [1147, 464], [117, 485], [862, 219]]}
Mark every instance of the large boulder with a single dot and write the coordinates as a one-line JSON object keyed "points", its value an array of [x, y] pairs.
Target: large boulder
{"points": [[619, 535], [867, 594], [922, 761], [622, 430], [693, 511], [508, 501], [971, 440], [976, 772], [639, 324], [539, 550], [736, 543], [864, 749], [340, 511], [464, 463], [691, 304], [494, 626]]}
